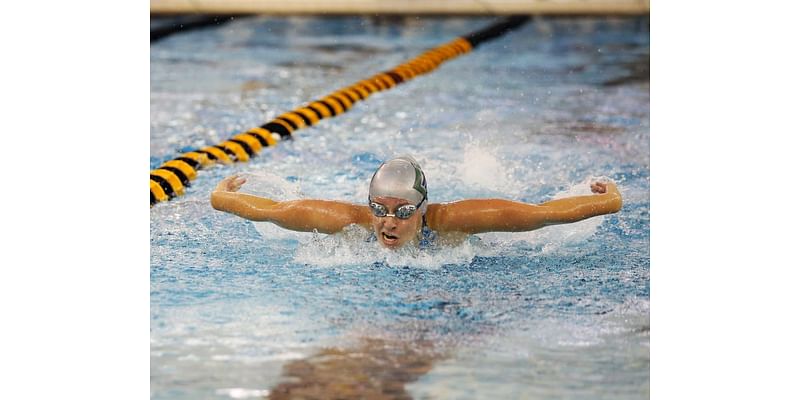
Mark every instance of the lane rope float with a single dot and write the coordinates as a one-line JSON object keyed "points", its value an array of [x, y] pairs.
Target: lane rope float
{"points": [[173, 177]]}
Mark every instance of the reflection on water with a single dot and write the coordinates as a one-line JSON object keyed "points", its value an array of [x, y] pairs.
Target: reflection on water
{"points": [[374, 369], [242, 310], [638, 71]]}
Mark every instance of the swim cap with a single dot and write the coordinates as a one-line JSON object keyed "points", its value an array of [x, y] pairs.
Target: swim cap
{"points": [[402, 178]]}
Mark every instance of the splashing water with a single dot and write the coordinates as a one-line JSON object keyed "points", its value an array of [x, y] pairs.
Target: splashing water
{"points": [[482, 168], [239, 309], [351, 247]]}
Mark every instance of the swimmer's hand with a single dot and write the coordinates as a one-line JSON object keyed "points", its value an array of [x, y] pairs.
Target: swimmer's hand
{"points": [[230, 184], [603, 187], [609, 191]]}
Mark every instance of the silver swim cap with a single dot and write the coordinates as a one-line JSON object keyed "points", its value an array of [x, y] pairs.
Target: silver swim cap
{"points": [[401, 178]]}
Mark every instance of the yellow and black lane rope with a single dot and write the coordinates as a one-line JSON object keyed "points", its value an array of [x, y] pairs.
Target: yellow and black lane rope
{"points": [[172, 177]]}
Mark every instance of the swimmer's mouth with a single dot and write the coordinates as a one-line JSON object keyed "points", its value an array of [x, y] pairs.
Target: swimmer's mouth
{"points": [[388, 237]]}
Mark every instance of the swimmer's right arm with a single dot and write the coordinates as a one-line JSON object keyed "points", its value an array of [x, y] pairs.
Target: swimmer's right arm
{"points": [[298, 215]]}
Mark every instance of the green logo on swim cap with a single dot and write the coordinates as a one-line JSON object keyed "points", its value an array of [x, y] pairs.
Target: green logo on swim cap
{"points": [[394, 178], [400, 177], [419, 181]]}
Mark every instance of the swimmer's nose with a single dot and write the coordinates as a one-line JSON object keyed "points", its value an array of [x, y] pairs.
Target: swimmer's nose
{"points": [[390, 222]]}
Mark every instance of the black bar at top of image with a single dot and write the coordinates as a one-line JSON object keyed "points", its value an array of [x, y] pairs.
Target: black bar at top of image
{"points": [[498, 29], [186, 23]]}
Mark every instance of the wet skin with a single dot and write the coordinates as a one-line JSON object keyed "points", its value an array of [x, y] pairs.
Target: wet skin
{"points": [[393, 232], [453, 221]]}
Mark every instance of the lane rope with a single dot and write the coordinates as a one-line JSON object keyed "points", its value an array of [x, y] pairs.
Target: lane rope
{"points": [[171, 179]]}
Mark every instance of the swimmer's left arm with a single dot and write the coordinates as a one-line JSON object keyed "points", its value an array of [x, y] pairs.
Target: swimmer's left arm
{"points": [[495, 215]]}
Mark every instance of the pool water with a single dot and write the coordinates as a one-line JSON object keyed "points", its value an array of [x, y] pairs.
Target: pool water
{"points": [[247, 310]]}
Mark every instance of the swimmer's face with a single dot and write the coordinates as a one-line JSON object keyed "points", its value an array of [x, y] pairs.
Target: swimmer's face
{"points": [[393, 232]]}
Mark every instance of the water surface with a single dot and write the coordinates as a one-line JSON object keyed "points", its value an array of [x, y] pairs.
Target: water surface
{"points": [[241, 310]]}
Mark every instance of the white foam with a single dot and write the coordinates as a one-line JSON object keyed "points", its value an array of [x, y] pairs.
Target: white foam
{"points": [[351, 248], [480, 167], [243, 393], [483, 167], [269, 185], [273, 187]]}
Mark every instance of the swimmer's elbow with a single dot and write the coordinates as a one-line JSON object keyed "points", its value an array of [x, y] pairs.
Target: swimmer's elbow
{"points": [[226, 202], [218, 201], [616, 203]]}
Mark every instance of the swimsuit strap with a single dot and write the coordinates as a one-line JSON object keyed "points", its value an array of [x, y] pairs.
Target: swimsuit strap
{"points": [[428, 235]]}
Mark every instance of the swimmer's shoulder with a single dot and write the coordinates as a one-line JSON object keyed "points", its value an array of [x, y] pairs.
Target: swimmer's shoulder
{"points": [[455, 221], [440, 220], [360, 215], [435, 215]]}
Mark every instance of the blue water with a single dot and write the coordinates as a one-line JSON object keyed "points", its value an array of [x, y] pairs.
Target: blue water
{"points": [[244, 310]]}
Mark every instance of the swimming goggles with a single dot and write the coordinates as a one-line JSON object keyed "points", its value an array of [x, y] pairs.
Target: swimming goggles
{"points": [[402, 212]]}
